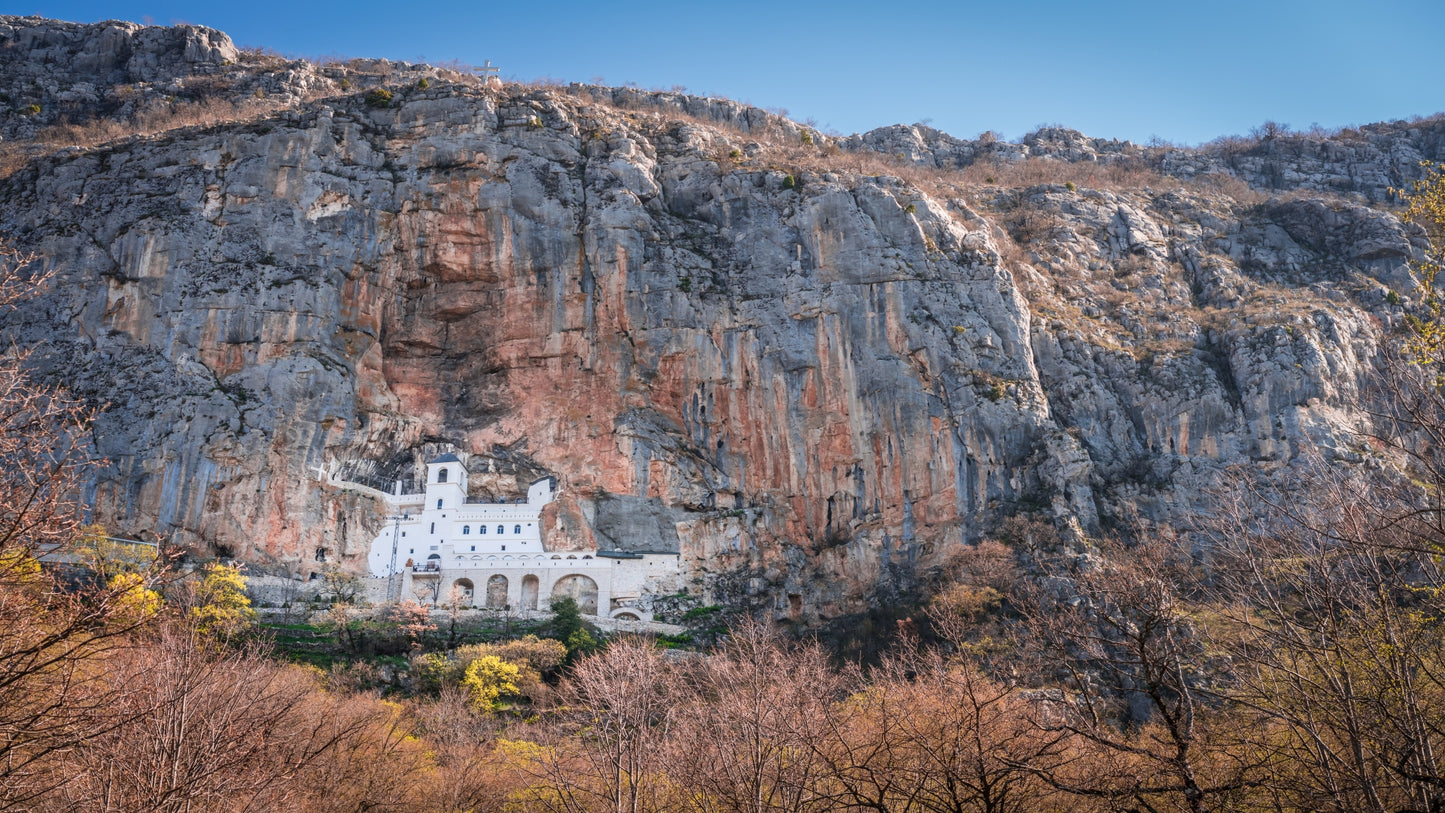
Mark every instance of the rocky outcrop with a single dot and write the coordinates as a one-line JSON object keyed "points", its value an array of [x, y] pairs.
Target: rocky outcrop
{"points": [[1364, 163], [920, 144], [814, 383], [52, 69], [68, 83]]}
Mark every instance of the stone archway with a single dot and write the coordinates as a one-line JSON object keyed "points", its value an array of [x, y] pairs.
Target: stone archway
{"points": [[530, 589], [497, 592], [580, 588], [463, 591]]}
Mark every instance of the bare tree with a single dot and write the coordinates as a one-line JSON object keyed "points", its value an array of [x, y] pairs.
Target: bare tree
{"points": [[1333, 628], [756, 710], [52, 631], [44, 442], [205, 727], [933, 733], [464, 742], [612, 722], [1116, 633]]}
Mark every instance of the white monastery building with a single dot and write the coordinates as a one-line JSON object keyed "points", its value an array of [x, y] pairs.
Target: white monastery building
{"points": [[440, 547]]}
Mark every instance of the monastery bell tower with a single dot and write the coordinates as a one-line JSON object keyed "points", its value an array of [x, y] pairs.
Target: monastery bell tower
{"points": [[446, 482]]}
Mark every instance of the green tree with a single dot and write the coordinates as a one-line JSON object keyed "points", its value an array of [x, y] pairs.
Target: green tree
{"points": [[566, 618], [568, 627], [222, 608], [581, 643]]}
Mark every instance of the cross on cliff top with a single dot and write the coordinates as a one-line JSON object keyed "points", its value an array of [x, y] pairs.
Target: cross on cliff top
{"points": [[488, 72]]}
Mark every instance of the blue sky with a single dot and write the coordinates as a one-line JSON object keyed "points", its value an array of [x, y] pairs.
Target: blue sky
{"points": [[1185, 72]]}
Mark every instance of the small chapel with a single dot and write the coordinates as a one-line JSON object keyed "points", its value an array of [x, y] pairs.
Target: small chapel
{"points": [[440, 547]]}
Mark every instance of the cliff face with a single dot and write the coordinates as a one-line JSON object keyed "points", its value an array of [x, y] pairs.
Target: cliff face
{"points": [[814, 382], [1363, 163]]}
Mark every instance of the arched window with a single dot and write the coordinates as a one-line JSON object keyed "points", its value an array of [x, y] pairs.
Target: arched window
{"points": [[442, 475], [439, 503], [517, 529], [501, 529], [481, 529], [433, 527], [466, 529]]}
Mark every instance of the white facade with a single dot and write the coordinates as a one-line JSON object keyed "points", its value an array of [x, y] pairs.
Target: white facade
{"points": [[443, 548], [439, 525]]}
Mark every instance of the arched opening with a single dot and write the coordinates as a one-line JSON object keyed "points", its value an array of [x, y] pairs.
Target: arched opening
{"points": [[627, 617], [529, 592], [517, 529], [441, 475], [581, 589], [462, 592], [497, 592], [466, 530]]}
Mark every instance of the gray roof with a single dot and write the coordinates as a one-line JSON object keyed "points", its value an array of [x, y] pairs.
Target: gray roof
{"points": [[446, 458], [635, 554]]}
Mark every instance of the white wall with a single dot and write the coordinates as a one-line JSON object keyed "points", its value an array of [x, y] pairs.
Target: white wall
{"points": [[426, 530]]}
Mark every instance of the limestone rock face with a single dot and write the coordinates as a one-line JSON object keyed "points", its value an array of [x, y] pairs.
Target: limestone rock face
{"points": [[1364, 162], [69, 68], [813, 383]]}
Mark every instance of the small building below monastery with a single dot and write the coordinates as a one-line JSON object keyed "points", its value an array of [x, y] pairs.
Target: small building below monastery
{"points": [[441, 547]]}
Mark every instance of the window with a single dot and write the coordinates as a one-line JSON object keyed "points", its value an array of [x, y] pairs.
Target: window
{"points": [[439, 503], [466, 529], [501, 529], [504, 547], [403, 534], [481, 529], [433, 527], [474, 547], [442, 476]]}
